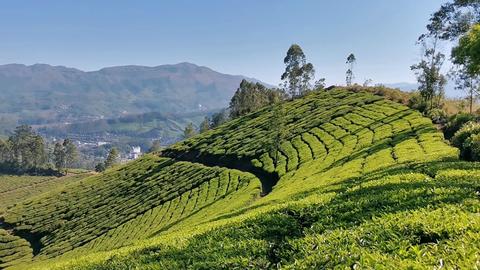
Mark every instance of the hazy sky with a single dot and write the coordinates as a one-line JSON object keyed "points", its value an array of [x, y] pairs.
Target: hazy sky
{"points": [[248, 37]]}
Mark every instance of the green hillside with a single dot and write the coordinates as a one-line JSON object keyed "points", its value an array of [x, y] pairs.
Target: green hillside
{"points": [[360, 182], [15, 188]]}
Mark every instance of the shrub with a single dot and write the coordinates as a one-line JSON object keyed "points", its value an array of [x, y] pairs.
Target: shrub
{"points": [[455, 123], [416, 102], [472, 146], [438, 116], [465, 139]]}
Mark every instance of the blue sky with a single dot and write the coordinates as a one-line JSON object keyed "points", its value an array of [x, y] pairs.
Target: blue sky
{"points": [[247, 37]]}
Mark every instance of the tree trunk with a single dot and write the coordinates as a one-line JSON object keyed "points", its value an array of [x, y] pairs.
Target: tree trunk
{"points": [[471, 101]]}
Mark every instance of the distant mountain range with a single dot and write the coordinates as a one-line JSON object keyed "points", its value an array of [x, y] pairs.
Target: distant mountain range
{"points": [[450, 90], [41, 94]]}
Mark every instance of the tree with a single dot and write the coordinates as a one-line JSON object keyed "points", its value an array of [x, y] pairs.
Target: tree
{"points": [[467, 82], [367, 82], [428, 72], [189, 131], [319, 84], [250, 97], [298, 73], [112, 158], [156, 146], [349, 74], [59, 157], [466, 55], [205, 125], [100, 167], [453, 19], [467, 52], [5, 152], [28, 148], [219, 118], [71, 153]]}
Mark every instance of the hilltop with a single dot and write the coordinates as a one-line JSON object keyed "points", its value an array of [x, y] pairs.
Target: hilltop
{"points": [[358, 181], [43, 94]]}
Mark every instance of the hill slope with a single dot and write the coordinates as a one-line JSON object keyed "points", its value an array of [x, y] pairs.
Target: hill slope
{"points": [[360, 182], [42, 93]]}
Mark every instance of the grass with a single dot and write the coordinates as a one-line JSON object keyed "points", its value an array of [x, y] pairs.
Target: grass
{"points": [[363, 182]]}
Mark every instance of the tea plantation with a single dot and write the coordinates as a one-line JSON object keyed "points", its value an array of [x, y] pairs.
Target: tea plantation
{"points": [[360, 182]]}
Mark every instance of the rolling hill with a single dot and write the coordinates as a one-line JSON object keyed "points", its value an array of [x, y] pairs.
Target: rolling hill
{"points": [[42, 94], [360, 182]]}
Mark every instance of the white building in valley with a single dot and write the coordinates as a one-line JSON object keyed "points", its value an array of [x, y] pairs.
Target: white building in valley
{"points": [[135, 153]]}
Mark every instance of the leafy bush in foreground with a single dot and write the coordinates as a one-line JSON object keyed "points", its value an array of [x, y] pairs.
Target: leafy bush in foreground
{"points": [[467, 141]]}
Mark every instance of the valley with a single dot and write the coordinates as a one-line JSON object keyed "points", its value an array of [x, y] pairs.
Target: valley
{"points": [[337, 169]]}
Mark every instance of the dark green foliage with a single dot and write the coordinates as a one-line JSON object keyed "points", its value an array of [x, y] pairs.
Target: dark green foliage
{"points": [[437, 115], [155, 147], [71, 153], [205, 125], [219, 118], [189, 131], [100, 167], [250, 97], [298, 73], [466, 139], [27, 149], [455, 122], [112, 158], [59, 157]]}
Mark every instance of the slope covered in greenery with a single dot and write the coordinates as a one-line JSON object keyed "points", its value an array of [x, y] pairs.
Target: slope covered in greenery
{"points": [[359, 182], [14, 188]]}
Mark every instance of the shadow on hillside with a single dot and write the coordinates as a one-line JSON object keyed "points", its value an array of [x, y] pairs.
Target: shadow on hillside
{"points": [[264, 239]]}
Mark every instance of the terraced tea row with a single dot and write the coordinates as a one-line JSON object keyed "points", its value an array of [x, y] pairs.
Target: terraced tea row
{"points": [[14, 189], [349, 159], [164, 216], [95, 206], [360, 124], [13, 249]]}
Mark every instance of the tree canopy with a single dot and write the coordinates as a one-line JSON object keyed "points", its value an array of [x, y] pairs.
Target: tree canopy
{"points": [[453, 19], [189, 131], [250, 97], [467, 52], [298, 73]]}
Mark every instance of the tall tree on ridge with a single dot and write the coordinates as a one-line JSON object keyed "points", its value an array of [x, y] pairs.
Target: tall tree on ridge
{"points": [[250, 97], [59, 157], [28, 148], [71, 153], [5, 152], [349, 74], [219, 118], [298, 73], [189, 131], [156, 146], [466, 55], [428, 71], [112, 158], [205, 125], [459, 20]]}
